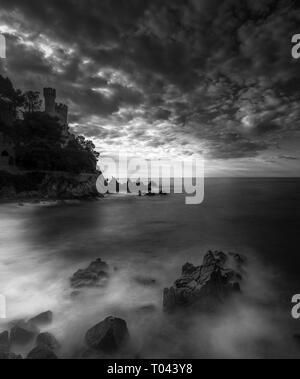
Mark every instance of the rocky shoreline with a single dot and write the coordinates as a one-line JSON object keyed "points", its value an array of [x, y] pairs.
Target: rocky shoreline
{"points": [[202, 287], [39, 187]]}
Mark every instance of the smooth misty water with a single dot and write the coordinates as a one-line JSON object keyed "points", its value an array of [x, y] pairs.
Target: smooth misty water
{"points": [[42, 246]]}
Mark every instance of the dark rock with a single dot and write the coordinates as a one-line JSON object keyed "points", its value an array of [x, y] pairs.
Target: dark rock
{"points": [[95, 275], [48, 340], [108, 336], [145, 281], [23, 333], [71, 187], [42, 319], [10, 356], [42, 352], [208, 285], [4, 343]]}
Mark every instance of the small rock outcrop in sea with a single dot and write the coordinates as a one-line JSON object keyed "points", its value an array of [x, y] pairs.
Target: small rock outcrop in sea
{"points": [[108, 336], [96, 275], [42, 319], [48, 340], [206, 286], [42, 352]]}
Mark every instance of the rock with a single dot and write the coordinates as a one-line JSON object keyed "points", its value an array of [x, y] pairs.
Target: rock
{"points": [[48, 340], [108, 336], [69, 187], [42, 352], [145, 281], [10, 356], [208, 285], [42, 319], [4, 343], [95, 275], [23, 333], [146, 309]]}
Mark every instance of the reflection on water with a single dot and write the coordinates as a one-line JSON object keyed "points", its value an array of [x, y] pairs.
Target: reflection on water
{"points": [[42, 246]]}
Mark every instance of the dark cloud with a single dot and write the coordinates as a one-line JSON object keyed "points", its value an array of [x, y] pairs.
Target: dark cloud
{"points": [[208, 75]]}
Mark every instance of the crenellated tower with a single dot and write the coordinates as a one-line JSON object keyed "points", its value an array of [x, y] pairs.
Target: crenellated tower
{"points": [[50, 97]]}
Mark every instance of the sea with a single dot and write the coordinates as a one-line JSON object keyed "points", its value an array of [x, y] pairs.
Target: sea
{"points": [[146, 241]]}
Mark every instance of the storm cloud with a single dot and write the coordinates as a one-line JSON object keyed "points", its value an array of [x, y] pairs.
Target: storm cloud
{"points": [[164, 77]]}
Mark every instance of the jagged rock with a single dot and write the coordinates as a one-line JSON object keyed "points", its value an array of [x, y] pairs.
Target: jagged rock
{"points": [[42, 319], [4, 342], [208, 285], [23, 333], [42, 352], [95, 275], [48, 340], [108, 336]]}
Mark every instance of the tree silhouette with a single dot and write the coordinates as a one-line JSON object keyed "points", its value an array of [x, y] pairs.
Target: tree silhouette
{"points": [[32, 102]]}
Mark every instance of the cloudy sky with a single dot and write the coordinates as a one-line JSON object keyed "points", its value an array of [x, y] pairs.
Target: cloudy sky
{"points": [[168, 78]]}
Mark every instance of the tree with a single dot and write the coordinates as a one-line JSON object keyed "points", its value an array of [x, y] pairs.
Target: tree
{"points": [[32, 102], [88, 146], [7, 90]]}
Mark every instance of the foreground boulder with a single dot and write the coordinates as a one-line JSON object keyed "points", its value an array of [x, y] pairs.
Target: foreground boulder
{"points": [[93, 276], [23, 333], [48, 340], [42, 319], [42, 352], [108, 336], [208, 285]]}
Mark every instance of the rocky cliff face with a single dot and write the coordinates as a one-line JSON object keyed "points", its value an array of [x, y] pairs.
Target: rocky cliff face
{"points": [[206, 286], [48, 187], [68, 188]]}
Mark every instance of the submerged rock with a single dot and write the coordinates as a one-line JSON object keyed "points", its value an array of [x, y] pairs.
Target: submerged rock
{"points": [[10, 356], [143, 281], [23, 333], [42, 319], [108, 336], [95, 275], [208, 285], [47, 340], [42, 352]]}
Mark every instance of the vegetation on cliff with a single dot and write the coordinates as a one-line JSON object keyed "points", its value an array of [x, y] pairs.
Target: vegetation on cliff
{"points": [[40, 140]]}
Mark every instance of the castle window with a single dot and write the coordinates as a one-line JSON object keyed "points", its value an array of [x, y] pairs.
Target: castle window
{"points": [[4, 154]]}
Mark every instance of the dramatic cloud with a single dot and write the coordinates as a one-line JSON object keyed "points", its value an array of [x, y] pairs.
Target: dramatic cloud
{"points": [[167, 78]]}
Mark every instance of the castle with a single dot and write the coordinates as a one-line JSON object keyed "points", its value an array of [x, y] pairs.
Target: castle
{"points": [[53, 109], [8, 116]]}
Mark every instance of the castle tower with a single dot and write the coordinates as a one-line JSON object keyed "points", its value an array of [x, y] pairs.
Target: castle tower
{"points": [[50, 97]]}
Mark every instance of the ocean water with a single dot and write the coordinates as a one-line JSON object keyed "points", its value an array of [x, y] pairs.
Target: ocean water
{"points": [[41, 246]]}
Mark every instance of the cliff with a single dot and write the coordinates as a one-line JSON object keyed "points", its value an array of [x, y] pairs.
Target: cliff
{"points": [[47, 186]]}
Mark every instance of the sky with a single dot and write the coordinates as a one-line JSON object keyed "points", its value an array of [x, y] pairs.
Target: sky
{"points": [[168, 79]]}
